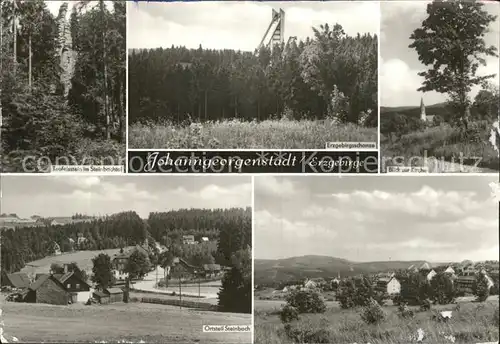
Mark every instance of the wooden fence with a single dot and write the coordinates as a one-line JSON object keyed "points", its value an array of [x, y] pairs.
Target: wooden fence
{"points": [[181, 303]]}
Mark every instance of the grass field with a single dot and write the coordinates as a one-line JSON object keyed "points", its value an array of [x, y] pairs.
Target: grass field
{"points": [[474, 323], [132, 322], [82, 258], [441, 143], [272, 134]]}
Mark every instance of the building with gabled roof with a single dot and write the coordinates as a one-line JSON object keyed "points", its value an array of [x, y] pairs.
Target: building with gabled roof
{"points": [[16, 280]]}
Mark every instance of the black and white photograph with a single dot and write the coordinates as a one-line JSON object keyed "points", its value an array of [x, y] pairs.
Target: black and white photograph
{"points": [[439, 79], [123, 259], [62, 84], [252, 75], [376, 259]]}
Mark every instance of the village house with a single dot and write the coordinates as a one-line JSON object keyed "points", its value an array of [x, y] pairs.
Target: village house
{"points": [[211, 270], [465, 284], [57, 289], [204, 239], [431, 275], [109, 295], [390, 285], [449, 270], [120, 260], [188, 240], [314, 283], [16, 280], [57, 249], [78, 289]]}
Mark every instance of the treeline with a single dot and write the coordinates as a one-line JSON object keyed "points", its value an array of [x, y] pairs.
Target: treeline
{"points": [[62, 81], [26, 244], [329, 75], [484, 110]]}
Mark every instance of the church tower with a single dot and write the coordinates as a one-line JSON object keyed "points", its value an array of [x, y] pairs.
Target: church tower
{"points": [[423, 116]]}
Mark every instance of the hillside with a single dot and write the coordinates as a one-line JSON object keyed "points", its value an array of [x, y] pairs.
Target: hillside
{"points": [[414, 111], [275, 271]]}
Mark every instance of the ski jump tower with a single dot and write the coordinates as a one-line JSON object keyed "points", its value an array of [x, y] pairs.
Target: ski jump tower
{"points": [[278, 30]]}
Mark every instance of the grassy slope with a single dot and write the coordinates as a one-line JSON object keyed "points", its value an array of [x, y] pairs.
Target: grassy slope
{"points": [[472, 324], [284, 134], [82, 258], [131, 322]]}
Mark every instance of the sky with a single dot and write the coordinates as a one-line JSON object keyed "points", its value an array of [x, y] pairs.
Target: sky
{"points": [[374, 218], [399, 64], [53, 6], [53, 196], [238, 25]]}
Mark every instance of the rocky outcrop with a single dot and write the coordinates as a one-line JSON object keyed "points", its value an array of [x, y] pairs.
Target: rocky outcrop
{"points": [[67, 55]]}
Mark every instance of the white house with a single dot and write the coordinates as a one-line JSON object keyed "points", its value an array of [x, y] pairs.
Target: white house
{"points": [[310, 284], [449, 270], [204, 239], [390, 285], [431, 275]]}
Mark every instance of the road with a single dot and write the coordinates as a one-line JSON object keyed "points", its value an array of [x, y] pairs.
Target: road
{"points": [[207, 290]]}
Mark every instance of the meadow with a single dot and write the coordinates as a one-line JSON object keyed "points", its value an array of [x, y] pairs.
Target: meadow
{"points": [[82, 258], [473, 323], [131, 322], [443, 147], [229, 134]]}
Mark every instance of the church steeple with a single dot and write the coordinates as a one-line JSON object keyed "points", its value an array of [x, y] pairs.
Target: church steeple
{"points": [[423, 116]]}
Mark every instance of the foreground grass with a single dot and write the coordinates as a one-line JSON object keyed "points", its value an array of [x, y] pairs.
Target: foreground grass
{"points": [[443, 148], [474, 323], [132, 322], [271, 134]]}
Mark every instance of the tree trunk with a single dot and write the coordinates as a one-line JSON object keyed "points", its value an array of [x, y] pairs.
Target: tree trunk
{"points": [[15, 35], [1, 58], [29, 61], [106, 100], [206, 105]]}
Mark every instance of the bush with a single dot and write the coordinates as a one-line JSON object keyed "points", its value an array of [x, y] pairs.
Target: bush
{"points": [[404, 311], [288, 314], [425, 306], [306, 301], [373, 313], [482, 288], [305, 333]]}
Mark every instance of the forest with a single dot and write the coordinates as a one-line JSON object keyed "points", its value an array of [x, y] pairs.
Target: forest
{"points": [[214, 94], [62, 84], [230, 228]]}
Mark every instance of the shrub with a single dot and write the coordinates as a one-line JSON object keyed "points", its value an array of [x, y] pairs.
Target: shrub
{"points": [[306, 301], [373, 313], [404, 311], [305, 333], [425, 306], [288, 314], [482, 288]]}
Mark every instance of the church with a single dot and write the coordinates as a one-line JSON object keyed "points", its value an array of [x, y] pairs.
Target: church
{"points": [[423, 116]]}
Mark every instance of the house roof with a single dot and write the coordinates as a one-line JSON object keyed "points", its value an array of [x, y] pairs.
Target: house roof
{"points": [[19, 280], [64, 277], [425, 266], [100, 293], [211, 266], [114, 291], [466, 278], [42, 279]]}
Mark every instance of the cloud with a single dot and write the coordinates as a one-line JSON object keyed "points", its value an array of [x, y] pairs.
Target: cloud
{"points": [[81, 181], [427, 202], [238, 25], [275, 186]]}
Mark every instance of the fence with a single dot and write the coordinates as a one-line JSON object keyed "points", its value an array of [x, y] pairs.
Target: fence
{"points": [[181, 303]]}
